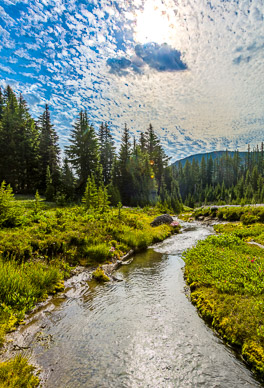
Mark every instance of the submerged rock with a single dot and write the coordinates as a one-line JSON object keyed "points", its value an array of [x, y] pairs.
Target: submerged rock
{"points": [[163, 219]]}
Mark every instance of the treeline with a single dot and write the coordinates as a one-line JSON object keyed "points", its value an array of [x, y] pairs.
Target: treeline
{"points": [[227, 179], [137, 174]]}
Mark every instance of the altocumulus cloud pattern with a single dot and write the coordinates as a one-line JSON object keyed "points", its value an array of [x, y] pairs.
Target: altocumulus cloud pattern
{"points": [[195, 70]]}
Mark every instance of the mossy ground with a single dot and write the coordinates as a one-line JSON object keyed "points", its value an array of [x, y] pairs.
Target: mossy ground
{"points": [[226, 277], [36, 256]]}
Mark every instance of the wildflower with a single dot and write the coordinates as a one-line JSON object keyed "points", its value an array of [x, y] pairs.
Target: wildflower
{"points": [[174, 223], [112, 249]]}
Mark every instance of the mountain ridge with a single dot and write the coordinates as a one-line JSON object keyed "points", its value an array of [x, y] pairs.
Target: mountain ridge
{"points": [[214, 154]]}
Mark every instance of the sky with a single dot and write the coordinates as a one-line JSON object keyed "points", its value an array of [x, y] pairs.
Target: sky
{"points": [[192, 68]]}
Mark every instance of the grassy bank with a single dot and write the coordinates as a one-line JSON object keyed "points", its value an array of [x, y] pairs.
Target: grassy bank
{"points": [[226, 277], [43, 245], [246, 214]]}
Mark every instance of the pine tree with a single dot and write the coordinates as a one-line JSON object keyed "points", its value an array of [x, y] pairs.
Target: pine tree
{"points": [[90, 199], [142, 179], [1, 104], [49, 150], [107, 152], [124, 185], [68, 181], [203, 173], [83, 153], [113, 187], [176, 201], [157, 155], [49, 193], [19, 143], [143, 142], [8, 139]]}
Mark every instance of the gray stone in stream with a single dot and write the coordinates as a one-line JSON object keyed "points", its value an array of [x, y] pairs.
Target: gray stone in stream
{"points": [[164, 219]]}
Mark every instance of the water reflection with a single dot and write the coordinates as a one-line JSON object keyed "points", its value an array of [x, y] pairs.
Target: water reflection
{"points": [[141, 332]]}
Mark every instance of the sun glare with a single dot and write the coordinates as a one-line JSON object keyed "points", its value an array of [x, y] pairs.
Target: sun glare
{"points": [[152, 24]]}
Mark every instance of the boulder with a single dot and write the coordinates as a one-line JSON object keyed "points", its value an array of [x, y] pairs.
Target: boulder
{"points": [[164, 219]]}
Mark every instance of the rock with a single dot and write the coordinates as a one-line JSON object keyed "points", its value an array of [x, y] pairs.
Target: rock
{"points": [[164, 219], [200, 218]]}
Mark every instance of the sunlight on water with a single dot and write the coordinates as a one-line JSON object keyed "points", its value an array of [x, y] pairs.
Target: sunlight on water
{"points": [[141, 332]]}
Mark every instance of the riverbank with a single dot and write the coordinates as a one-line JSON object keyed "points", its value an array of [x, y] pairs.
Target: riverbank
{"points": [[226, 278], [126, 333], [39, 255], [249, 214]]}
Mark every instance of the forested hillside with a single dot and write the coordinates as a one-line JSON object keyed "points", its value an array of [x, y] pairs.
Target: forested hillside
{"points": [[214, 154], [236, 178]]}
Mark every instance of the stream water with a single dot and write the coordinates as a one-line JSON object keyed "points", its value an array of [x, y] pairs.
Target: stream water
{"points": [[139, 332]]}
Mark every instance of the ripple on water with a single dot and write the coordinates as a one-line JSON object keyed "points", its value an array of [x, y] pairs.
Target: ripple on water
{"points": [[141, 332]]}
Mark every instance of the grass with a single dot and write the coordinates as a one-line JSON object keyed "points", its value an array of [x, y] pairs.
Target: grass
{"points": [[247, 214], [100, 276], [18, 373], [38, 252], [226, 277]]}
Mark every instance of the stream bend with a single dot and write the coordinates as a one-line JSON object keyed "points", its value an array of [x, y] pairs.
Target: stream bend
{"points": [[140, 332]]}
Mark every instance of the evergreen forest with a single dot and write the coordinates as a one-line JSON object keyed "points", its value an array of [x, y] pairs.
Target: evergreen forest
{"points": [[137, 174]]}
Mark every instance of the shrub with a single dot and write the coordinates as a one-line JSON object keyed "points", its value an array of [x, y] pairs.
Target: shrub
{"points": [[248, 219], [9, 213]]}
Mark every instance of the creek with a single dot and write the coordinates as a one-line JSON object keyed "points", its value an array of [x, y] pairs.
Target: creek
{"points": [[141, 331]]}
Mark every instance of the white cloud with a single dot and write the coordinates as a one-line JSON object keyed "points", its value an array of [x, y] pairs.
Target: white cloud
{"points": [[217, 102]]}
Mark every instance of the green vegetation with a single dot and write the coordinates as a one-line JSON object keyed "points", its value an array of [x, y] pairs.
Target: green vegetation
{"points": [[100, 276], [231, 178], [17, 373], [226, 277], [9, 214], [36, 256], [38, 252], [247, 214], [30, 160]]}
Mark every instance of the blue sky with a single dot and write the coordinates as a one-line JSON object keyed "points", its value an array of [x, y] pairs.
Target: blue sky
{"points": [[194, 69]]}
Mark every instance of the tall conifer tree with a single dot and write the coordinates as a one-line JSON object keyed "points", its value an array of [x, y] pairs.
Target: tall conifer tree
{"points": [[83, 153], [107, 151], [49, 150]]}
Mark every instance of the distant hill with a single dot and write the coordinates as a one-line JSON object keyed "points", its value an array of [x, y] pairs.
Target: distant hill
{"points": [[214, 154]]}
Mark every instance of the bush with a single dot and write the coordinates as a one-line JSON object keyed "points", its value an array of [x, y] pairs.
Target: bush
{"points": [[9, 213], [248, 219]]}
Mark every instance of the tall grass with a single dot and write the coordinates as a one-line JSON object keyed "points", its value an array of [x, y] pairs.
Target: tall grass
{"points": [[22, 285]]}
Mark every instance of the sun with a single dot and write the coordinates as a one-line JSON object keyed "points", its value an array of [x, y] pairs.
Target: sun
{"points": [[152, 24]]}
